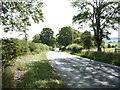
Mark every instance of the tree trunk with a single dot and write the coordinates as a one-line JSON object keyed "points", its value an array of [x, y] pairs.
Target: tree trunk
{"points": [[99, 49]]}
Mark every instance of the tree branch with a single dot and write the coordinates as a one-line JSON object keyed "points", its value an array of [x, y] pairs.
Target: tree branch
{"points": [[105, 23]]}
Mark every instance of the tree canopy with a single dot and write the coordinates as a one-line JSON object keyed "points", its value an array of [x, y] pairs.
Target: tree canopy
{"points": [[36, 38], [16, 16], [100, 14], [64, 37], [86, 39], [46, 36], [77, 35]]}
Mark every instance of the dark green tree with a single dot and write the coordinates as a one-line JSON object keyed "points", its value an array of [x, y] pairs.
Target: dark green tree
{"points": [[46, 37], [101, 16], [36, 38], [64, 37], [86, 39], [76, 36], [109, 46], [16, 16]]}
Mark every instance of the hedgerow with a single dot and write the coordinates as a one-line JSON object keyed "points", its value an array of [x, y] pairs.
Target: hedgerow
{"points": [[12, 48], [75, 48]]}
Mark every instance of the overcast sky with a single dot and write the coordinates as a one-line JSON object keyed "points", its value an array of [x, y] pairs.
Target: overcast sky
{"points": [[57, 13]]}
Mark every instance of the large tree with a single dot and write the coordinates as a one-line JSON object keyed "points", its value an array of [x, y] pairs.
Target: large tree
{"points": [[16, 16], [101, 15], [46, 36], [76, 37], [64, 37], [86, 39]]}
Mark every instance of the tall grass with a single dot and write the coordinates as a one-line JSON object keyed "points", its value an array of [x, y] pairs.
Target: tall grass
{"points": [[106, 57]]}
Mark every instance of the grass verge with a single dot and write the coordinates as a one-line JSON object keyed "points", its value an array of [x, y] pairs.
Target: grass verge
{"points": [[38, 73], [106, 57]]}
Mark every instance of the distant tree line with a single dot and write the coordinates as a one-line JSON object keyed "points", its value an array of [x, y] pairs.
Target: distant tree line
{"points": [[64, 38]]}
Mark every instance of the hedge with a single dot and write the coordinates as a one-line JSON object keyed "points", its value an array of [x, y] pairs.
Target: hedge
{"points": [[12, 48], [75, 48]]}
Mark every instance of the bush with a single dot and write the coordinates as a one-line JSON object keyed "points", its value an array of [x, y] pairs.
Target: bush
{"points": [[24, 48], [12, 48], [32, 47], [41, 47], [63, 48], [75, 48]]}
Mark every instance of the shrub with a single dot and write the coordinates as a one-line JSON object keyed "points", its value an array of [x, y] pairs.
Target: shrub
{"points": [[75, 48], [63, 48], [24, 48], [12, 48], [32, 47], [40, 47]]}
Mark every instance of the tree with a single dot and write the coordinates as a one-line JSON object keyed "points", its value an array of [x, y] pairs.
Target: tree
{"points": [[77, 35], [16, 16], [64, 37], [86, 39], [46, 36], [101, 16], [36, 38], [109, 46]]}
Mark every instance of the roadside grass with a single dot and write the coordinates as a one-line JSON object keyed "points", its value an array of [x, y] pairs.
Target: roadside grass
{"points": [[112, 50], [106, 57], [8, 78], [38, 73]]}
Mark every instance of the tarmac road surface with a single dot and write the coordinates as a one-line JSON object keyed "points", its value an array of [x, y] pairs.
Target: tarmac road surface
{"points": [[78, 72]]}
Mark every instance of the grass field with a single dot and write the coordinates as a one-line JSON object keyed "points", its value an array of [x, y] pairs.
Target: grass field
{"points": [[38, 73]]}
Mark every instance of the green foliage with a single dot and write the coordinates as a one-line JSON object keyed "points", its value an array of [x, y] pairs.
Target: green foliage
{"points": [[100, 15], [24, 48], [62, 48], [106, 57], [46, 37], [7, 78], [36, 38], [38, 73], [32, 47], [86, 39], [76, 37], [12, 48], [15, 16], [74, 48], [109, 46], [64, 37]]}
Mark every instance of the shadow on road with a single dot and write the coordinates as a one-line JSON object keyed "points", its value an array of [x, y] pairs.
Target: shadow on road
{"points": [[79, 72]]}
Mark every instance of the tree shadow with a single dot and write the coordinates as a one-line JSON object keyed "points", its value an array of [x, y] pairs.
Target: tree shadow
{"points": [[78, 72], [40, 74]]}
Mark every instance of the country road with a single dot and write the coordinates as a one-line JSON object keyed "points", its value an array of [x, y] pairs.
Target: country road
{"points": [[78, 72]]}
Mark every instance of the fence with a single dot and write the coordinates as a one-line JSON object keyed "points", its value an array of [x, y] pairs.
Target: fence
{"points": [[117, 50]]}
